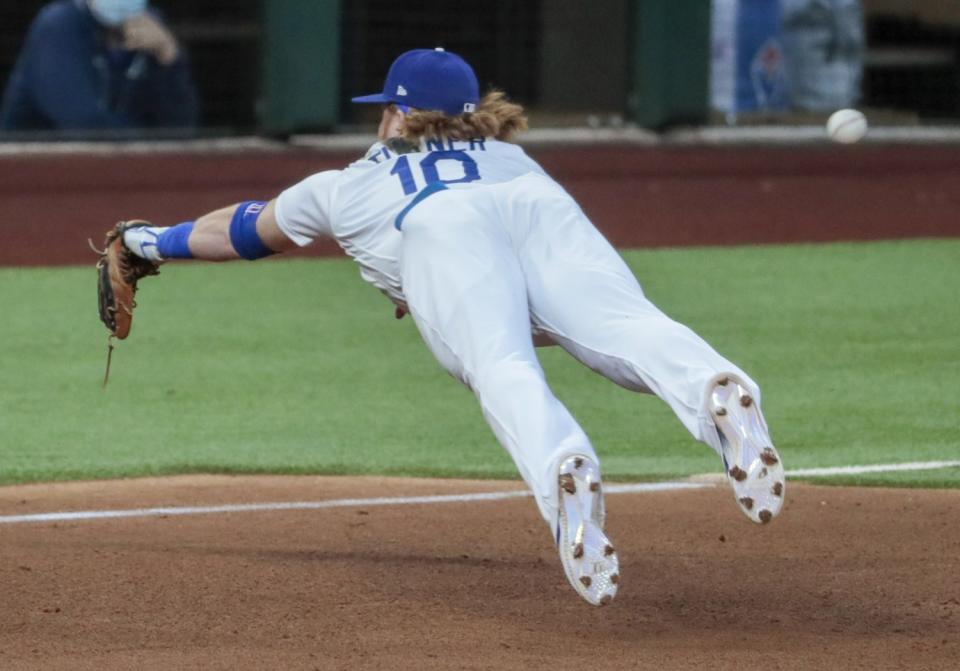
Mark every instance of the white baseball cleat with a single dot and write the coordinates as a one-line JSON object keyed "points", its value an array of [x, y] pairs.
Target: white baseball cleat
{"points": [[588, 557], [752, 464]]}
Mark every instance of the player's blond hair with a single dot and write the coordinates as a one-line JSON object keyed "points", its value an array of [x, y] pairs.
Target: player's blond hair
{"points": [[495, 117]]}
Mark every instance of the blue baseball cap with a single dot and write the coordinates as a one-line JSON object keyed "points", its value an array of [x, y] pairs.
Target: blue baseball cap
{"points": [[429, 79]]}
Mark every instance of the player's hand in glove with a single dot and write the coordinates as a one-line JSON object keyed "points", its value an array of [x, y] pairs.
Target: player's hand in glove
{"points": [[118, 271]]}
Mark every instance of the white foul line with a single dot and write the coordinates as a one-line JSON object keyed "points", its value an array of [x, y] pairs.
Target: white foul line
{"points": [[447, 498], [875, 468], [317, 505]]}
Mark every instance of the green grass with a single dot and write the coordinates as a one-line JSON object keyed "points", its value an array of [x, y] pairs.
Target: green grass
{"points": [[299, 367]]}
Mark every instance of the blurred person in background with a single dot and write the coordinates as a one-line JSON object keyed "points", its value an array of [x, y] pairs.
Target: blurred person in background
{"points": [[99, 64], [824, 44]]}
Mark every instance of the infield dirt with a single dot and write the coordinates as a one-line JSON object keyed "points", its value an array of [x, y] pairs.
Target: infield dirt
{"points": [[844, 579]]}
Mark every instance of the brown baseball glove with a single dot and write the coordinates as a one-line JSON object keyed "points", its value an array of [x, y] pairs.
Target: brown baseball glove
{"points": [[118, 271]]}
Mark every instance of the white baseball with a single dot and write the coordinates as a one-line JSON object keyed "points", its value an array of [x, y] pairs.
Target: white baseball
{"points": [[847, 126]]}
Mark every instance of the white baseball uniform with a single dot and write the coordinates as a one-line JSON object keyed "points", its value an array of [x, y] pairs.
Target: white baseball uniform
{"points": [[499, 254]]}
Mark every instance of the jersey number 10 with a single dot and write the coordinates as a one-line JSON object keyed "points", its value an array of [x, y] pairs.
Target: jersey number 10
{"points": [[428, 166]]}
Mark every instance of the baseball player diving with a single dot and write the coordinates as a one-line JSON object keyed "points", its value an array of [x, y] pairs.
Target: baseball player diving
{"points": [[461, 229]]}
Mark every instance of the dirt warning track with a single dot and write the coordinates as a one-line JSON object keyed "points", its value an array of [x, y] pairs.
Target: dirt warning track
{"points": [[845, 579]]}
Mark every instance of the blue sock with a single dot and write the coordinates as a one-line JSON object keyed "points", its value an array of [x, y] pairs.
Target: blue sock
{"points": [[172, 243]]}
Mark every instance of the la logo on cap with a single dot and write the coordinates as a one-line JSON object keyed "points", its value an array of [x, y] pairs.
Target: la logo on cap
{"points": [[401, 91]]}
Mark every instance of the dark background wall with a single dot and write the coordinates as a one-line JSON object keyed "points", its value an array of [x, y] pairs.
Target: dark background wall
{"points": [[564, 59], [500, 39], [557, 56]]}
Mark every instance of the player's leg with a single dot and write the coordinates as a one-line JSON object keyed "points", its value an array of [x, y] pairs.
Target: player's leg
{"points": [[586, 298], [465, 290]]}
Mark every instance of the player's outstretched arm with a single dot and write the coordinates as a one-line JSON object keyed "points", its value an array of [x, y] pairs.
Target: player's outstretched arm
{"points": [[246, 230], [249, 230], [135, 249]]}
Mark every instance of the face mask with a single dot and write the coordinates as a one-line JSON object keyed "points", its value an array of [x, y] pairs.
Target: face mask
{"points": [[115, 12]]}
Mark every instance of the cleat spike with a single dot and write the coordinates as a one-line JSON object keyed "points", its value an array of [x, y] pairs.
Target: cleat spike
{"points": [[586, 581], [747, 502], [615, 579], [746, 400], [608, 550], [567, 483], [738, 474], [578, 551], [769, 457], [765, 516], [578, 462], [607, 598], [594, 486], [777, 489]]}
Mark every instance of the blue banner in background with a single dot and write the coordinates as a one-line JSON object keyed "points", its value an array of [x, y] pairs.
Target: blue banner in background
{"points": [[749, 71], [761, 70]]}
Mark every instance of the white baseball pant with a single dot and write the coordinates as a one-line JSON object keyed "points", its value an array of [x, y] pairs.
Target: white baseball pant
{"points": [[481, 265]]}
